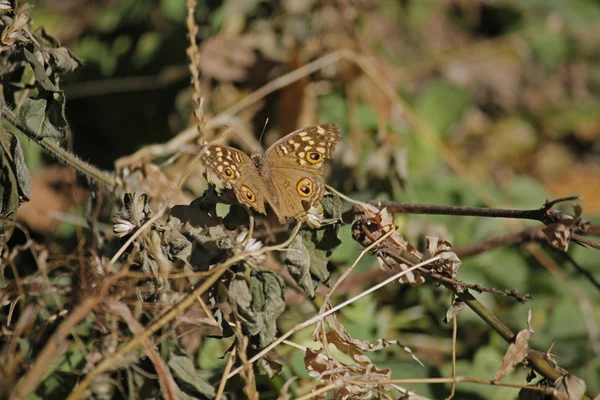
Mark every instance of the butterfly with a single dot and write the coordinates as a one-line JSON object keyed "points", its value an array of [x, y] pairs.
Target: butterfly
{"points": [[287, 176]]}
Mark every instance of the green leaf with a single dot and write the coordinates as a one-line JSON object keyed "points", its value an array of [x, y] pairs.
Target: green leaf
{"points": [[61, 60], [367, 117], [442, 105], [40, 72], [72, 361], [205, 233], [312, 248], [210, 356], [146, 48], [12, 152], [183, 368], [297, 261], [15, 182], [333, 109], [175, 10], [551, 48], [259, 304], [45, 118]]}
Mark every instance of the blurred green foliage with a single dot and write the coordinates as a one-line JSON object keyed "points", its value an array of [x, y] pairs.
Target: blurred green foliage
{"points": [[135, 69]]}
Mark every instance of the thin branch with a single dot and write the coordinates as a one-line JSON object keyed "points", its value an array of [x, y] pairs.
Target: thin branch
{"points": [[582, 270], [543, 214], [522, 298]]}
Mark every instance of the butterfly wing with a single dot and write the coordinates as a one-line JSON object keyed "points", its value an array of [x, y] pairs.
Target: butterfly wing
{"points": [[294, 165], [234, 169]]}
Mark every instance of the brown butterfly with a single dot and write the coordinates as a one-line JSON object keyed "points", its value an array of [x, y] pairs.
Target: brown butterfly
{"points": [[287, 176]]}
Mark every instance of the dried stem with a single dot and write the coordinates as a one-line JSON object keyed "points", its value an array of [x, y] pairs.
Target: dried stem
{"points": [[44, 362], [194, 55], [109, 362]]}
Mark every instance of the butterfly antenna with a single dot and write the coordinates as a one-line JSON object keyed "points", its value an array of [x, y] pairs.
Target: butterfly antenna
{"points": [[227, 131], [261, 135]]}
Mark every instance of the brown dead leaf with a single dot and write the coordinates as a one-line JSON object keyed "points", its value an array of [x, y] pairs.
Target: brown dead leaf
{"points": [[559, 234], [457, 307], [150, 179], [225, 59], [395, 252], [516, 352], [54, 192], [315, 362]]}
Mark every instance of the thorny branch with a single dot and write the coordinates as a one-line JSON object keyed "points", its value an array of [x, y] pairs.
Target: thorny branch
{"points": [[366, 230]]}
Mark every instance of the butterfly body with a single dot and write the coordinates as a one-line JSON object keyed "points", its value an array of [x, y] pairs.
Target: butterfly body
{"points": [[287, 176]]}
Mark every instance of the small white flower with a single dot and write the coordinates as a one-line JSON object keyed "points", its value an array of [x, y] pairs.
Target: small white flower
{"points": [[249, 246], [122, 227], [314, 217]]}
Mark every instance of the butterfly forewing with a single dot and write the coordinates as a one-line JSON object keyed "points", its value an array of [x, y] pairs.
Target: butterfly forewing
{"points": [[305, 149], [234, 169]]}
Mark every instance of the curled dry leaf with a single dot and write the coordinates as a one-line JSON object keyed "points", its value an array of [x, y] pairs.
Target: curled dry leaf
{"points": [[449, 262], [456, 308], [13, 33], [184, 370], [395, 252], [516, 352], [15, 182], [329, 370], [559, 233]]}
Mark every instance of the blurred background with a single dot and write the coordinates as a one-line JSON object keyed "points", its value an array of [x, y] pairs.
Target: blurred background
{"points": [[479, 103]]}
